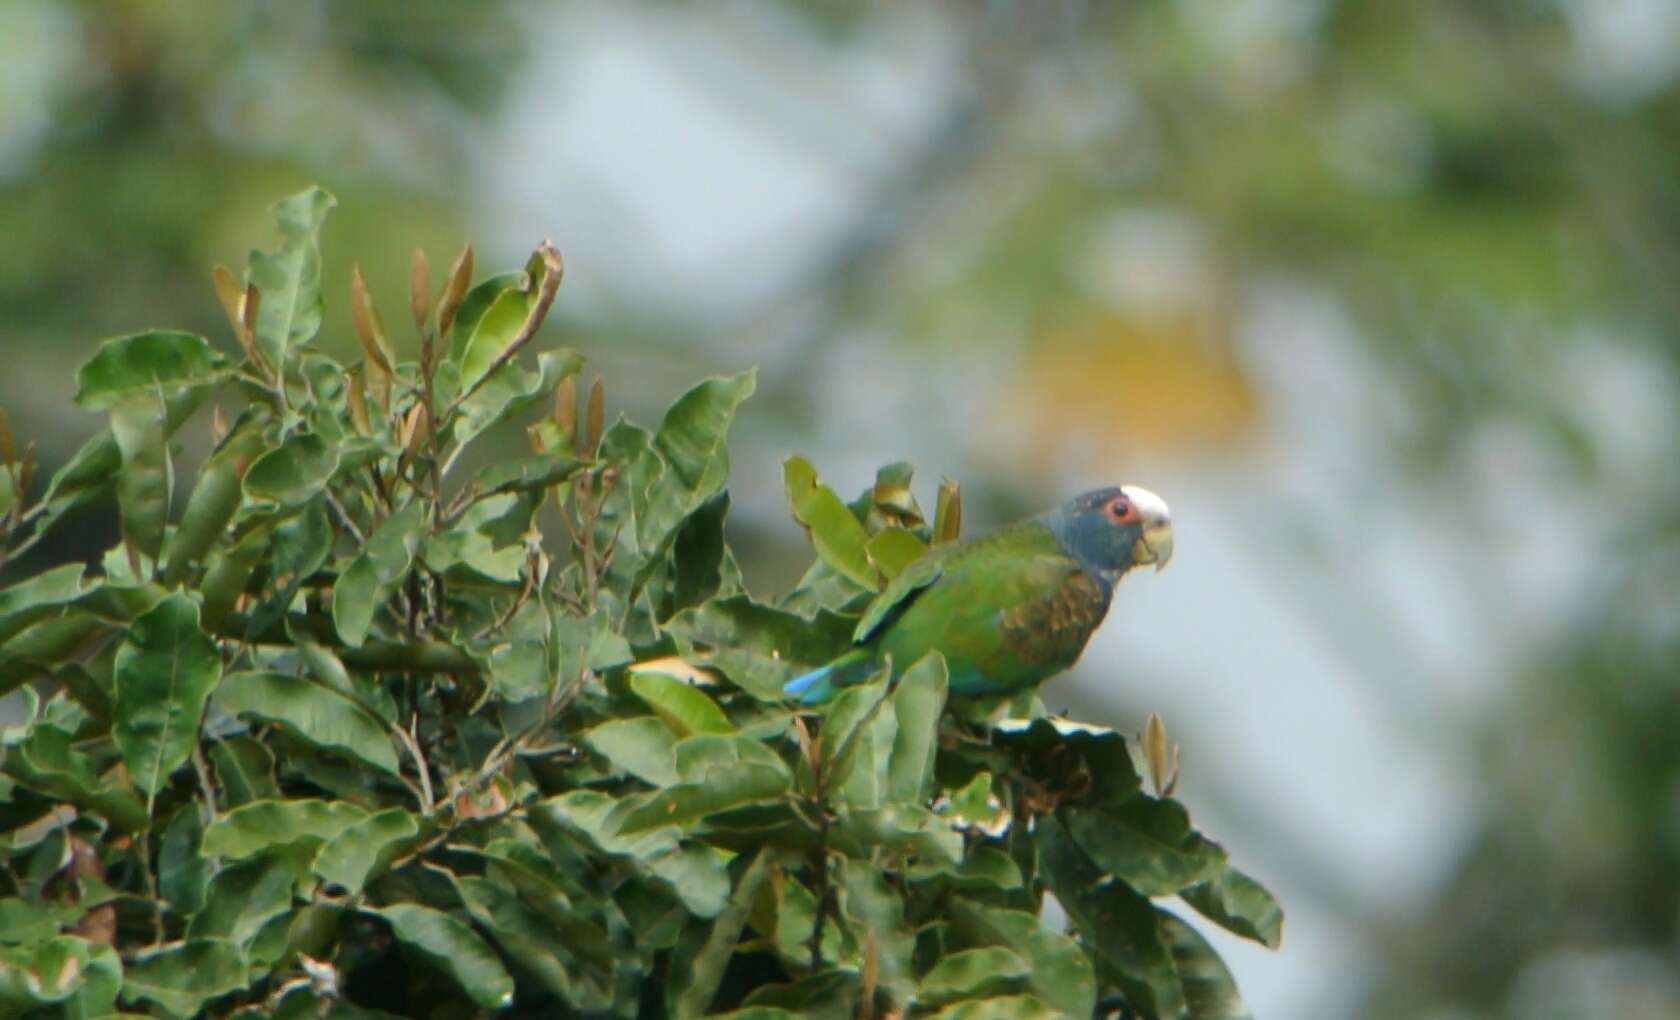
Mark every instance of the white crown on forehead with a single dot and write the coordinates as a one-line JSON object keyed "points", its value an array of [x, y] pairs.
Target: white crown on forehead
{"points": [[1146, 502]]}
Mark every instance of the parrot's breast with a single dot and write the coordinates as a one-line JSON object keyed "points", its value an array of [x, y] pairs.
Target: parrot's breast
{"points": [[1052, 631]]}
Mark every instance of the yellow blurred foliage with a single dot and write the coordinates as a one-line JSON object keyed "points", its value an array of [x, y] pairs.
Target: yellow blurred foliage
{"points": [[1133, 386]]}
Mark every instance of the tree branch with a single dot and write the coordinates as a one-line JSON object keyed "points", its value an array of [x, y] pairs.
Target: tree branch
{"points": [[384, 656]]}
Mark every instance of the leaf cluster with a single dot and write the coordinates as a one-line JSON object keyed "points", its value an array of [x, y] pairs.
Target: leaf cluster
{"points": [[361, 732]]}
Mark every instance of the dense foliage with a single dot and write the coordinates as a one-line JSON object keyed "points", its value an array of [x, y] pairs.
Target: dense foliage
{"points": [[380, 725]]}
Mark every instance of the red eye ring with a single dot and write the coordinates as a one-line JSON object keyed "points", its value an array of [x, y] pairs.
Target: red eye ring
{"points": [[1121, 510]]}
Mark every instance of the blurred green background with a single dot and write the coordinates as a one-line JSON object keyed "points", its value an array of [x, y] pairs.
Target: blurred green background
{"points": [[1383, 296]]}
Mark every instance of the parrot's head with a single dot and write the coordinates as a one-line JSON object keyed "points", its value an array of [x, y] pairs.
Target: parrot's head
{"points": [[1113, 530]]}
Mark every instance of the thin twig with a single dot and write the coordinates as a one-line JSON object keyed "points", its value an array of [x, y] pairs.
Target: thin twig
{"points": [[205, 785], [424, 656], [524, 596], [344, 517], [408, 741], [819, 862], [143, 843]]}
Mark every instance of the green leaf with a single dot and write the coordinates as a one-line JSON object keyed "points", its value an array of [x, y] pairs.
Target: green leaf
{"points": [[519, 670], [1240, 905], [724, 789], [890, 550], [524, 474], [47, 762], [157, 363], [1119, 924], [43, 645], [261, 825], [146, 478], [183, 869], [971, 974], [784, 916], [454, 947], [876, 911], [1008, 1007], [691, 442], [328, 669], [290, 277], [825, 995], [844, 725], [903, 829], [244, 767], [102, 978], [25, 922], [972, 803], [838, 537], [641, 746], [245, 896], [697, 968], [592, 814], [93, 471], [889, 502], [182, 977], [694, 873], [759, 648], [318, 714], [364, 848], [22, 713], [296, 547], [374, 575], [511, 391], [859, 779], [46, 854], [165, 670], [227, 573], [473, 307], [685, 709], [550, 884], [120, 602], [1210, 991], [214, 500], [918, 702], [983, 868], [579, 642], [823, 589], [555, 956], [473, 543], [495, 329], [292, 473], [40, 596], [699, 756], [702, 567], [63, 969], [1061, 972], [1105, 773], [628, 449], [1146, 843]]}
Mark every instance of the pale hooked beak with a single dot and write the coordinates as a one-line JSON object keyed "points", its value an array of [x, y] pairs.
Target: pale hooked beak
{"points": [[1156, 545]]}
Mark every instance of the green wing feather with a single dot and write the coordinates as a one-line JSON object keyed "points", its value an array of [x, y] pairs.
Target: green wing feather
{"points": [[1007, 611]]}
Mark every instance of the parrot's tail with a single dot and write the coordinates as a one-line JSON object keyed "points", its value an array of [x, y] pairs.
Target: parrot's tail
{"points": [[820, 684]]}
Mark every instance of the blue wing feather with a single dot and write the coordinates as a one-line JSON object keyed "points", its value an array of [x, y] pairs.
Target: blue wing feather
{"points": [[799, 685], [820, 684]]}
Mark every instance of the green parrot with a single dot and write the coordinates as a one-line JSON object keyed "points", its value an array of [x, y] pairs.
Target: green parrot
{"points": [[1009, 609]]}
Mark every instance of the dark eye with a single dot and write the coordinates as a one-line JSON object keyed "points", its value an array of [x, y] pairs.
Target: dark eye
{"points": [[1119, 509]]}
